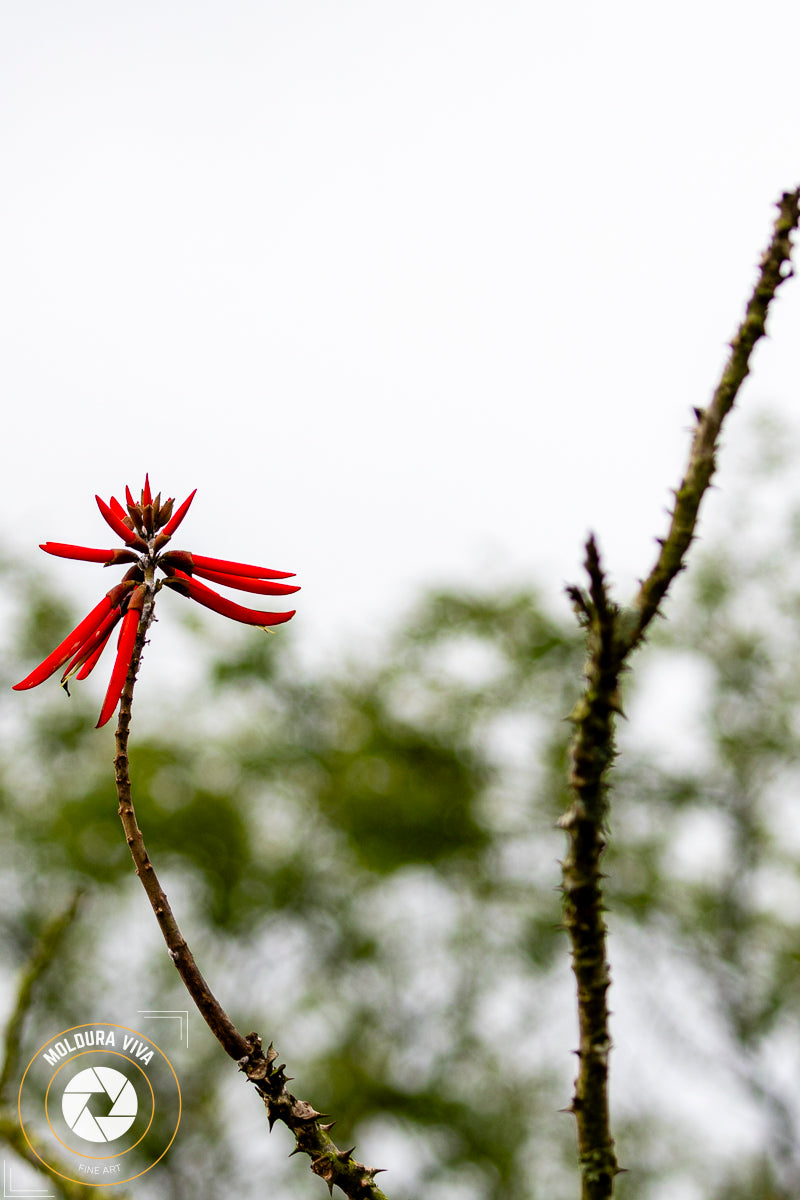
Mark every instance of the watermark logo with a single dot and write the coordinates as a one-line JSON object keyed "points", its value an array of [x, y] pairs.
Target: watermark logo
{"points": [[121, 1095], [99, 1104]]}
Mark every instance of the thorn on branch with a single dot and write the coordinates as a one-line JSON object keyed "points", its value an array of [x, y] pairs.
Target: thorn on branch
{"points": [[303, 1111], [597, 581], [580, 603]]}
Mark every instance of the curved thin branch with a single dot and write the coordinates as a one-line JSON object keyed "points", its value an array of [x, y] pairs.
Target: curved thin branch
{"points": [[12, 1135], [312, 1137], [43, 954], [10, 1130]]}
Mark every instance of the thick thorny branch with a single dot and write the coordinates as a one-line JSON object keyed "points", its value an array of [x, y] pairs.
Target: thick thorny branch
{"points": [[584, 825], [611, 636], [335, 1166]]}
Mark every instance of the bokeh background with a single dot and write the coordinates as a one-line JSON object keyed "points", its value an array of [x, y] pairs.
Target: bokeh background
{"points": [[414, 295]]}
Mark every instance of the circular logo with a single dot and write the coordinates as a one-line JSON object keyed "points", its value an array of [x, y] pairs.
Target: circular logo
{"points": [[88, 1104], [119, 1093]]}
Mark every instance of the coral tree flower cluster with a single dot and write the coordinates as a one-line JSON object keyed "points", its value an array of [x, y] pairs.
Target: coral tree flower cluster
{"points": [[146, 528]]}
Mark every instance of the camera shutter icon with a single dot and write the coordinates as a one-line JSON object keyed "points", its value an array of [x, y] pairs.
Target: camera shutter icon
{"points": [[121, 1098]]}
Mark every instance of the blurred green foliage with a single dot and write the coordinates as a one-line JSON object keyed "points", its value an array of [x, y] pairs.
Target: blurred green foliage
{"points": [[365, 862]]}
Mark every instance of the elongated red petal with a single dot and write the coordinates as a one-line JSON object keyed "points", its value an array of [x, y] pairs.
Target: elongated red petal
{"points": [[146, 495], [94, 657], [129, 498], [116, 523], [210, 599], [72, 642], [127, 640], [176, 518], [244, 584], [85, 553], [89, 649], [118, 510], [225, 567]]}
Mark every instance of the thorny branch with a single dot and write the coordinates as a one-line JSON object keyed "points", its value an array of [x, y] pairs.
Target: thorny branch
{"points": [[312, 1137], [774, 269], [611, 635]]}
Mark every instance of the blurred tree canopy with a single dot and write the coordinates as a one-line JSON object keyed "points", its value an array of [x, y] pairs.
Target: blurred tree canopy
{"points": [[365, 862]]}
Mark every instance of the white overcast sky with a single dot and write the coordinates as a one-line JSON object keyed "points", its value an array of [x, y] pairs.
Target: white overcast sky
{"points": [[410, 292]]}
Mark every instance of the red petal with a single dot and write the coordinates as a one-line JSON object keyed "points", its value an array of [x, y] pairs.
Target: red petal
{"points": [[129, 498], [127, 640], [118, 510], [116, 523], [212, 600], [244, 584], [224, 566], [86, 553], [175, 520], [94, 657], [146, 496], [72, 642], [92, 647]]}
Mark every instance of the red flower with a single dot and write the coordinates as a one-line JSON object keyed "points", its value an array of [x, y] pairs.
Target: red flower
{"points": [[145, 528]]}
